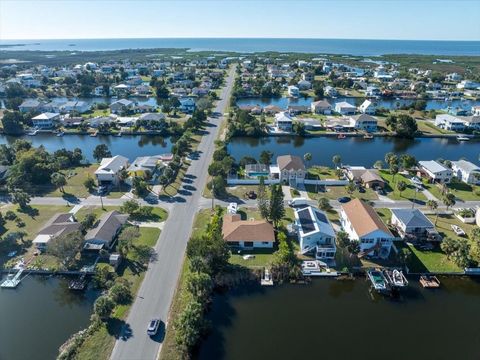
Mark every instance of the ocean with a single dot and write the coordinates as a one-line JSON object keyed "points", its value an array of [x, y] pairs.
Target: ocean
{"points": [[243, 45]]}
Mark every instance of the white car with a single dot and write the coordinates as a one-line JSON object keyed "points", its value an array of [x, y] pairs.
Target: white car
{"points": [[153, 326], [298, 201], [232, 208]]}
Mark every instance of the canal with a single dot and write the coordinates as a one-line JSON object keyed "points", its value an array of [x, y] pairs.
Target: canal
{"points": [[354, 150], [331, 319], [284, 102], [39, 316], [130, 146]]}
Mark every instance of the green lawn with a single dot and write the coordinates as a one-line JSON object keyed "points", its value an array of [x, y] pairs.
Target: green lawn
{"points": [[334, 192], [75, 178], [263, 257], [392, 191], [323, 172], [97, 210], [461, 190]]}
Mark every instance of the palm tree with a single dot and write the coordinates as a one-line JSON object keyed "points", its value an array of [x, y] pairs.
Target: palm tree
{"points": [[307, 157], [337, 160], [433, 205], [449, 200]]}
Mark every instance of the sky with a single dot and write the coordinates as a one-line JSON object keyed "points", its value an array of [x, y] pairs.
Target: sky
{"points": [[349, 19]]}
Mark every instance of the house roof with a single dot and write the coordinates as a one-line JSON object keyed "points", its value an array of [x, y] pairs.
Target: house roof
{"points": [[152, 116], [236, 229], [108, 227], [412, 218], [112, 165], [145, 163], [344, 104], [290, 162], [363, 117], [466, 166], [58, 224], [363, 218], [321, 104], [371, 175], [432, 166], [46, 116], [282, 116], [262, 168], [313, 220]]}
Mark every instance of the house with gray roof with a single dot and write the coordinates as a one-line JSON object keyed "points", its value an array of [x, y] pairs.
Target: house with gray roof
{"points": [[466, 171], [103, 235], [59, 224], [435, 171], [413, 223]]}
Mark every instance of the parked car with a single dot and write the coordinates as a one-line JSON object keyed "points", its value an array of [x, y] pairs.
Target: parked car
{"points": [[343, 199], [416, 181], [232, 208], [102, 190], [153, 326], [299, 201]]}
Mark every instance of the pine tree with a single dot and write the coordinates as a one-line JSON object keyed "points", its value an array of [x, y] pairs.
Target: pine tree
{"points": [[277, 209], [262, 200]]}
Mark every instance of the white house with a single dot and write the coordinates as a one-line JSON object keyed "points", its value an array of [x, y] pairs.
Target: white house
{"points": [[289, 170], [364, 122], [247, 233], [321, 107], [78, 106], [362, 224], [187, 104], [466, 171], [413, 223], [283, 121], [293, 91], [121, 106], [45, 120], [108, 173], [330, 90], [345, 108], [468, 84], [315, 233], [435, 171], [449, 122], [367, 107]]}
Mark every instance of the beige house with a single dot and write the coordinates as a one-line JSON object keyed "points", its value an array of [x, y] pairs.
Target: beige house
{"points": [[247, 233], [289, 170]]}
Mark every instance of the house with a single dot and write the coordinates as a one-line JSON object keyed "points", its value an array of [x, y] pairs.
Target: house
{"points": [[412, 223], [45, 120], [370, 178], [363, 122], [330, 91], [77, 106], [304, 85], [471, 122], [71, 121], [271, 109], [449, 122], [321, 107], [367, 107], [105, 232], [187, 105], [153, 165], [255, 171], [30, 105], [289, 170], [345, 108], [297, 109], [121, 106], [338, 124], [310, 124], [315, 233], [476, 110], [466, 171], [362, 224], [436, 172], [283, 121], [108, 173], [468, 84], [293, 91], [247, 233], [59, 224]]}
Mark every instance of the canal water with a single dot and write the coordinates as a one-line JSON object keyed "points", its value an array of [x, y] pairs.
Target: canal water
{"points": [[354, 150], [331, 319], [39, 315], [130, 146], [284, 102]]}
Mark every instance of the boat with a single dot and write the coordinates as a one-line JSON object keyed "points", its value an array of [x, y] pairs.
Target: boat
{"points": [[78, 284], [463, 138], [266, 279], [429, 282], [317, 268], [458, 230], [61, 133], [368, 136], [395, 278], [94, 134], [32, 132], [119, 134], [378, 280], [341, 136]]}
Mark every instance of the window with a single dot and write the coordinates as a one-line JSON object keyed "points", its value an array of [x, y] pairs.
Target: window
{"points": [[265, 242], [248, 243], [233, 243]]}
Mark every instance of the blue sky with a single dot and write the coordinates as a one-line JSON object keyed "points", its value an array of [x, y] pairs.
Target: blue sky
{"points": [[371, 19]]}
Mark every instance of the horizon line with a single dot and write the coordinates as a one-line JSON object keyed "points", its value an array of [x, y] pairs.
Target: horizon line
{"points": [[237, 38]]}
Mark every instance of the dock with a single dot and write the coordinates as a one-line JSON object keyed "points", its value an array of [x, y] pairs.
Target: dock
{"points": [[12, 280], [429, 282], [78, 284], [267, 279]]}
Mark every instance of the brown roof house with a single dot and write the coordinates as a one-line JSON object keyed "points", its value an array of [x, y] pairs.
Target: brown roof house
{"points": [[370, 178], [59, 224], [289, 170], [360, 221], [105, 232], [247, 233]]}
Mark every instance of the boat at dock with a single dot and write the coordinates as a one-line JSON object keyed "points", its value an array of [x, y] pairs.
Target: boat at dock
{"points": [[378, 280], [119, 134], [368, 136], [429, 281], [78, 284], [463, 138], [32, 132], [395, 278], [317, 268], [267, 279], [94, 134], [61, 133], [341, 136]]}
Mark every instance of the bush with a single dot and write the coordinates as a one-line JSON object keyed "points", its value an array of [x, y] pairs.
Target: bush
{"points": [[20, 223], [190, 325], [10, 215], [103, 307], [121, 293]]}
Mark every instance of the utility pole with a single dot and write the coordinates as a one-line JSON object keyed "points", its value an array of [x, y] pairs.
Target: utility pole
{"points": [[213, 195], [415, 197]]}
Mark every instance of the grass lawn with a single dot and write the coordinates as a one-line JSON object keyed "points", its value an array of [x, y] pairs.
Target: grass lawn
{"points": [[263, 257], [95, 113], [118, 191], [334, 192], [322, 172], [462, 191], [148, 236], [34, 219], [392, 191], [97, 210], [75, 179], [427, 127], [172, 189]]}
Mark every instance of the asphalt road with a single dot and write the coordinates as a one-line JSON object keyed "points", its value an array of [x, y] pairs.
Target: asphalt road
{"points": [[156, 292]]}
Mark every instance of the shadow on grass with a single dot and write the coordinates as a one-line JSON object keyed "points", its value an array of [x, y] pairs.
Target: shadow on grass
{"points": [[119, 329]]}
